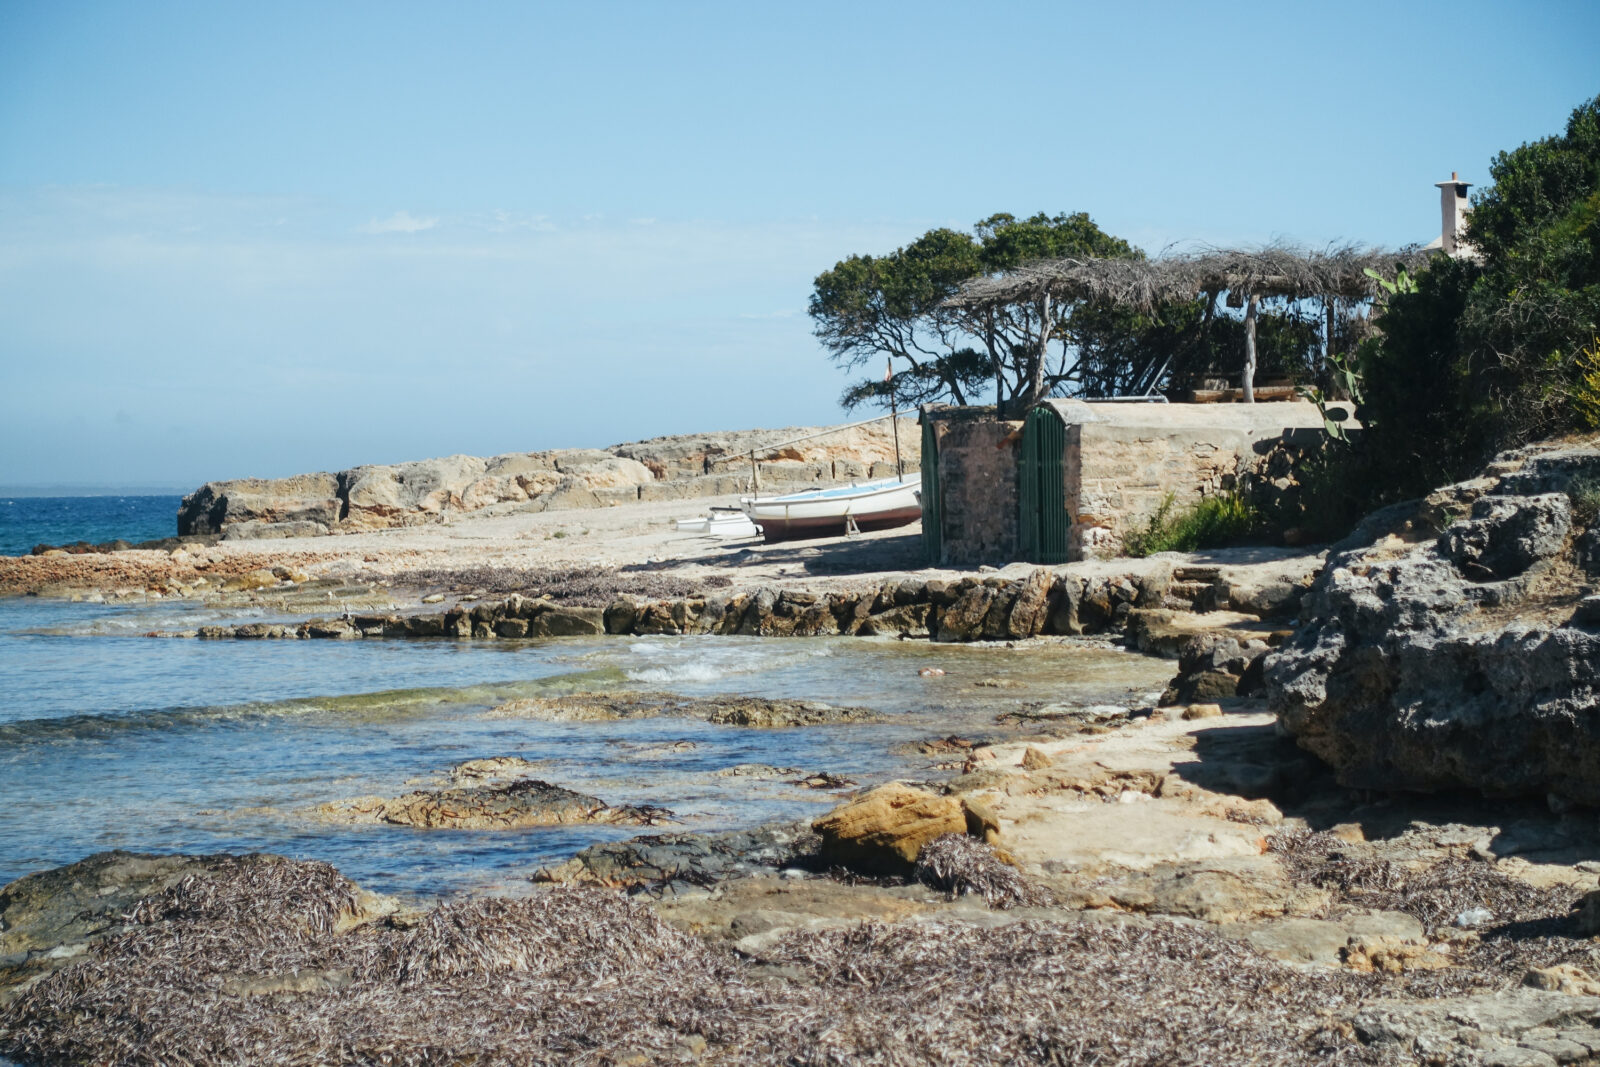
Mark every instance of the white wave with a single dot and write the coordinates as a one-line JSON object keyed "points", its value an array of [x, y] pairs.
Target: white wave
{"points": [[681, 672]]}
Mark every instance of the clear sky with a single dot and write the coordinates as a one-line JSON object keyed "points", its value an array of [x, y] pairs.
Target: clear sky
{"points": [[261, 238]]}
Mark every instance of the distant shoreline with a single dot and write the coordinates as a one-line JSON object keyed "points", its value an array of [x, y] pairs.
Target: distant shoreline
{"points": [[33, 492]]}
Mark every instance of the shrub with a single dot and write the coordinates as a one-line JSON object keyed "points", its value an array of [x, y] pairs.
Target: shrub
{"points": [[1213, 521]]}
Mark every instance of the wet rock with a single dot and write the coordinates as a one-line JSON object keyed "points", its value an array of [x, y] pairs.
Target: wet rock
{"points": [[491, 769], [48, 918], [1161, 632], [521, 803], [687, 859], [771, 714], [758, 770], [963, 620], [1448, 664], [1031, 610], [882, 831], [911, 621], [727, 711]]}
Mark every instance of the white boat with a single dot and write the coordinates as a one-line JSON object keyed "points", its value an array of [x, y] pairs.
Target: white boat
{"points": [[876, 505], [719, 522]]}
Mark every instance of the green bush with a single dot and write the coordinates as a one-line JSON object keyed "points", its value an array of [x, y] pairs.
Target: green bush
{"points": [[1488, 352], [1224, 519], [1584, 492]]}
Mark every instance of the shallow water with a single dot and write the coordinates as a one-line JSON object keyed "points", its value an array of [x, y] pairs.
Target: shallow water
{"points": [[110, 740]]}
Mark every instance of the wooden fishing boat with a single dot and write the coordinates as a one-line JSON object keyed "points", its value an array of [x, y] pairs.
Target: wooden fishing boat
{"points": [[875, 505]]}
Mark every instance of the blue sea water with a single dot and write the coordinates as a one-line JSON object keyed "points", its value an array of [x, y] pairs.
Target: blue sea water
{"points": [[26, 521], [112, 740]]}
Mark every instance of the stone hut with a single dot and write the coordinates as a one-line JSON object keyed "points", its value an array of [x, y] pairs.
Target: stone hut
{"points": [[1071, 479]]}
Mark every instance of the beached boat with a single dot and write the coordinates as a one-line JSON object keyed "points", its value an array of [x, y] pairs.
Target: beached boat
{"points": [[719, 522], [876, 505]]}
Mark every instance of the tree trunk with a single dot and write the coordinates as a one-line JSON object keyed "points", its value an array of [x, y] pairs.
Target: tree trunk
{"points": [[994, 357], [1327, 347], [1036, 382], [1249, 383]]}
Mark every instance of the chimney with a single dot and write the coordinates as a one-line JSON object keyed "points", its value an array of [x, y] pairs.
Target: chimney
{"points": [[1453, 209]]}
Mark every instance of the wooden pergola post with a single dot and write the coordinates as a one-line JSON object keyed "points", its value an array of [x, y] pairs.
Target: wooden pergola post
{"points": [[1250, 349]]}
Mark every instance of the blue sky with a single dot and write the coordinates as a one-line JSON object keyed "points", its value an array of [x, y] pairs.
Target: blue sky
{"points": [[256, 239]]}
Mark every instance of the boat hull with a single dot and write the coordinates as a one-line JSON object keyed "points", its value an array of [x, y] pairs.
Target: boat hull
{"points": [[827, 512], [834, 525]]}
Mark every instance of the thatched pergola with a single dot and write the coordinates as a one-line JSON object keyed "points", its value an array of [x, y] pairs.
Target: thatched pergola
{"points": [[1248, 276]]}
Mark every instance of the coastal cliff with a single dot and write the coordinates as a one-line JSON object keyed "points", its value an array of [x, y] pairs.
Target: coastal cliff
{"points": [[377, 496]]}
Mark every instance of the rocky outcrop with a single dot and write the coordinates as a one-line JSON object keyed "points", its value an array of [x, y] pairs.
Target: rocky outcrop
{"points": [[977, 608], [760, 712], [883, 831], [52, 918], [687, 859], [1463, 659], [402, 494], [521, 803]]}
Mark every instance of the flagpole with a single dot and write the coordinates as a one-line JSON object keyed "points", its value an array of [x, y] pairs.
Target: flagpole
{"points": [[894, 416]]}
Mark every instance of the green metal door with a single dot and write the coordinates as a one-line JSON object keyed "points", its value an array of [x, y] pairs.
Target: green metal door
{"points": [[1041, 496], [932, 531]]}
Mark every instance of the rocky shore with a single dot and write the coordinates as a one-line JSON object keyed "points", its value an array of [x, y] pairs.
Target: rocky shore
{"points": [[683, 467], [1358, 827]]}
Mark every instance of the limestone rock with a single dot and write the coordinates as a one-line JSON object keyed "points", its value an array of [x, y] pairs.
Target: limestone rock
{"points": [[882, 831], [1202, 711], [521, 803], [1034, 759], [1563, 978], [1447, 664]]}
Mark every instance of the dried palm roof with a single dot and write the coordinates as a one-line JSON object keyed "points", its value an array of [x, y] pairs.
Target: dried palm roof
{"points": [[1270, 271]]}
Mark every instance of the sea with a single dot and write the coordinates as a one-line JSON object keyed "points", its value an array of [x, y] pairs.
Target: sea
{"points": [[26, 521], [114, 740]]}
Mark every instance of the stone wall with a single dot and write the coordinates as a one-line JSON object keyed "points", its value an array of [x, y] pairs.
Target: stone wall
{"points": [[978, 486], [1123, 461]]}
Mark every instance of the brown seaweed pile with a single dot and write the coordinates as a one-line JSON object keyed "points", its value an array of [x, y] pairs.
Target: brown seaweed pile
{"points": [[1528, 927], [249, 966], [960, 865]]}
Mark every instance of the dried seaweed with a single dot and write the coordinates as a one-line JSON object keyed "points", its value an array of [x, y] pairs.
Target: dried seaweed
{"points": [[961, 865], [1530, 926], [585, 976]]}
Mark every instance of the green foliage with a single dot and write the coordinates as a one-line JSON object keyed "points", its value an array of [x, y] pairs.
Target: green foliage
{"points": [[1347, 384], [1403, 282], [1213, 521], [1586, 390], [1487, 354], [868, 308]]}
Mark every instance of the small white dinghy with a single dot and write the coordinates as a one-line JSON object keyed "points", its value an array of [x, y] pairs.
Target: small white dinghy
{"points": [[876, 505], [719, 522]]}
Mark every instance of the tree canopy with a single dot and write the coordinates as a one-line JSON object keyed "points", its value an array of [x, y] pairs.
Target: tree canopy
{"points": [[1494, 351], [868, 308]]}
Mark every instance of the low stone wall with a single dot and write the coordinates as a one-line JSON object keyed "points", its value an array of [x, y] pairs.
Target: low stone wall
{"points": [[998, 608], [1123, 462]]}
